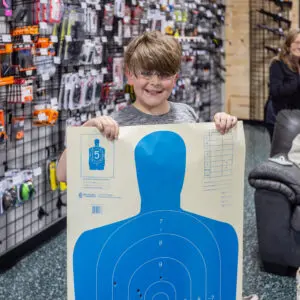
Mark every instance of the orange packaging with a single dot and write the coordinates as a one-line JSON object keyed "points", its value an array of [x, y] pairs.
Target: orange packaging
{"points": [[3, 135], [47, 116]]}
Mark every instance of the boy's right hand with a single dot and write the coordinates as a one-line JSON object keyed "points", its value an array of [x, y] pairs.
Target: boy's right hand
{"points": [[106, 125]]}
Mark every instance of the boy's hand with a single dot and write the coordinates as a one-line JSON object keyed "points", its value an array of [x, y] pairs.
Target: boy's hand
{"points": [[224, 122], [106, 125]]}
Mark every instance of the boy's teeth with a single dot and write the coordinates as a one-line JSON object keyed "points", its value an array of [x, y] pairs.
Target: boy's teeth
{"points": [[152, 91]]}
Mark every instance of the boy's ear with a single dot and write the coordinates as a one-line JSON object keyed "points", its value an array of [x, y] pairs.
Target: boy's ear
{"points": [[129, 77], [175, 79]]}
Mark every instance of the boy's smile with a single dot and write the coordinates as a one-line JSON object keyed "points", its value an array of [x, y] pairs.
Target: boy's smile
{"points": [[153, 92]]}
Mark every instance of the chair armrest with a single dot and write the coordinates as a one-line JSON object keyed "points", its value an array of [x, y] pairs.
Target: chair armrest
{"points": [[272, 176]]}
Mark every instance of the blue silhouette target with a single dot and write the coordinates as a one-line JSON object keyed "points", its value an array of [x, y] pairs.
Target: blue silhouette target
{"points": [[164, 253], [97, 157]]}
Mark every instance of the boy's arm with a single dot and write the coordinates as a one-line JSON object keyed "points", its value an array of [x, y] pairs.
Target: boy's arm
{"points": [[106, 125], [61, 169]]}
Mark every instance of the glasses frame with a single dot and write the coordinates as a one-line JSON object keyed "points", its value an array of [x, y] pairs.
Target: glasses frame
{"points": [[148, 75]]}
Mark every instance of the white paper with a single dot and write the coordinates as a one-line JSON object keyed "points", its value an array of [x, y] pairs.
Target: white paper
{"points": [[159, 212]]}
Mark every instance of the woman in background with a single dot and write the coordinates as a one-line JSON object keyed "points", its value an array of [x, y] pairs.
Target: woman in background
{"points": [[284, 89]]}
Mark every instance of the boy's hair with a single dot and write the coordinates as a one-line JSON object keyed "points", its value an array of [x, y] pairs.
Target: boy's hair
{"points": [[153, 51]]}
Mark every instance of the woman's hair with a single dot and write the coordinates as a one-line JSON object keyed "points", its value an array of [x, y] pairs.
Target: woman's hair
{"points": [[285, 54], [153, 51]]}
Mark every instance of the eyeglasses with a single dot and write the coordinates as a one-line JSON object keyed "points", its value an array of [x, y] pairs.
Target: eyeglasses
{"points": [[149, 74]]}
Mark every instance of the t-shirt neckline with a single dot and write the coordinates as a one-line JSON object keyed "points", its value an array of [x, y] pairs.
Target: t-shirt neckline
{"points": [[153, 116]]}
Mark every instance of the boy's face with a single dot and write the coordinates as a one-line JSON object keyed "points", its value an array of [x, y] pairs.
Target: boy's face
{"points": [[151, 90]]}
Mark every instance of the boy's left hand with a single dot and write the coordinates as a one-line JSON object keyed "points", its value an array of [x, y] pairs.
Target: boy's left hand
{"points": [[224, 122]]}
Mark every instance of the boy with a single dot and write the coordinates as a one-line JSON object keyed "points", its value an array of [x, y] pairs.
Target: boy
{"points": [[152, 63]]}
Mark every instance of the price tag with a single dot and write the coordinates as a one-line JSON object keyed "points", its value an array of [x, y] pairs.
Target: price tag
{"points": [[54, 101], [98, 113], [54, 38], [209, 14], [42, 117], [126, 19], [44, 51], [94, 72], [83, 5], [43, 25], [104, 70], [104, 39], [28, 72], [27, 175], [68, 38], [81, 72], [108, 7], [44, 1], [17, 179], [37, 171], [108, 27], [45, 76], [127, 96], [98, 7], [57, 60], [151, 13], [27, 38], [21, 123], [6, 38], [3, 184], [83, 117]]}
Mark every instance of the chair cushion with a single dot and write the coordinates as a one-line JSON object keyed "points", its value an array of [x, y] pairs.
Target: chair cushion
{"points": [[294, 154], [275, 177], [295, 222], [287, 127]]}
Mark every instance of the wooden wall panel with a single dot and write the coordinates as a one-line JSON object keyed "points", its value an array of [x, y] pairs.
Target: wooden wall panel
{"points": [[237, 61], [295, 14]]}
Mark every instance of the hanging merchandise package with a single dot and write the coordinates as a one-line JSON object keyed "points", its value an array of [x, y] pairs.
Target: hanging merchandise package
{"points": [[158, 212], [6, 8], [18, 128], [3, 135]]}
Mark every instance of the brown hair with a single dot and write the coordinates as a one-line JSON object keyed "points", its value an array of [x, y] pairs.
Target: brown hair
{"points": [[284, 55], [153, 51]]}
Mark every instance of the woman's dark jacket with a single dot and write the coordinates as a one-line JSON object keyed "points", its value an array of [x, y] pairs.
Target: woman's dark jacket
{"points": [[284, 87]]}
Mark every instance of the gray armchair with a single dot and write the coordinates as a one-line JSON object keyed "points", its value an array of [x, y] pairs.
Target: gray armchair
{"points": [[277, 199]]}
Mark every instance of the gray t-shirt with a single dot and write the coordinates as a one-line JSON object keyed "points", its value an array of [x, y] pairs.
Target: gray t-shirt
{"points": [[178, 113]]}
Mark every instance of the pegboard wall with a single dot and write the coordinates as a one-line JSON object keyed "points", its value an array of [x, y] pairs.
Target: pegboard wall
{"points": [[61, 64], [270, 21], [28, 204]]}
